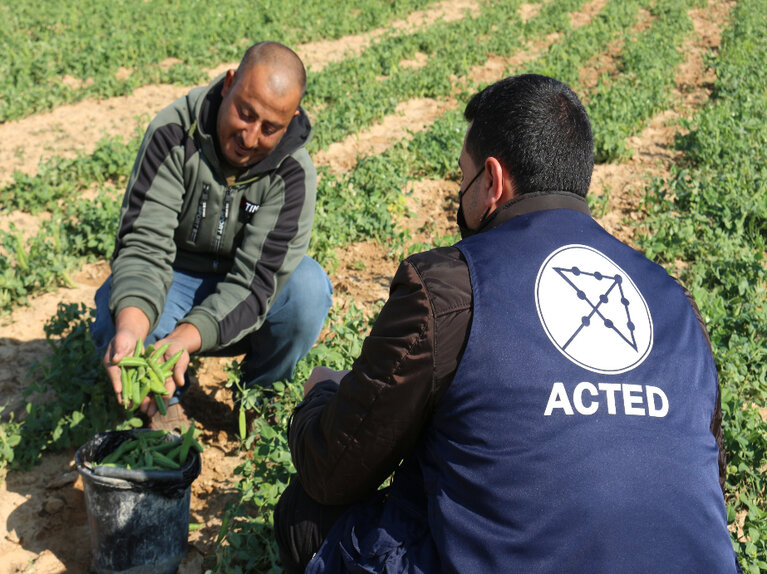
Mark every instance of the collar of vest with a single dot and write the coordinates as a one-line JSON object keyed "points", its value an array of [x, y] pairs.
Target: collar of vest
{"points": [[536, 201]]}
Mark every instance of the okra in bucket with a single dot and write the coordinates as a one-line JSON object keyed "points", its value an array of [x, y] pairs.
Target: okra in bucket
{"points": [[138, 513]]}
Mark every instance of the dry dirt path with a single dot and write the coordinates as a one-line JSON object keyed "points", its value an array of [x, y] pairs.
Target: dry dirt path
{"points": [[43, 528]]}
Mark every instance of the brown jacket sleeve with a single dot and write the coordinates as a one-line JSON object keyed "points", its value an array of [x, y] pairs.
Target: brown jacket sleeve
{"points": [[346, 441], [716, 419]]}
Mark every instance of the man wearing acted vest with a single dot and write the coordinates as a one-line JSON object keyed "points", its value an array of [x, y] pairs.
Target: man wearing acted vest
{"points": [[544, 395], [214, 227]]}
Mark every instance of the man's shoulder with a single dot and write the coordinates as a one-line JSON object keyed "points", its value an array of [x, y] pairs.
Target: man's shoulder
{"points": [[445, 275], [183, 110], [446, 256]]}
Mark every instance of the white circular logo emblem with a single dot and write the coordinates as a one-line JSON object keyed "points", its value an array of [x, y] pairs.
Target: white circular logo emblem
{"points": [[592, 311]]}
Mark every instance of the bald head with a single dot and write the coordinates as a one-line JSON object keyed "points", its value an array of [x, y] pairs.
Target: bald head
{"points": [[286, 69]]}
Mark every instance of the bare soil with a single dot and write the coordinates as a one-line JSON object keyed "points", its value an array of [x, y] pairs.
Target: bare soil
{"points": [[43, 524]]}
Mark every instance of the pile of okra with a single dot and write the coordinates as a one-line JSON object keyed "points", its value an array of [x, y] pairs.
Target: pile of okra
{"points": [[143, 373], [150, 450]]}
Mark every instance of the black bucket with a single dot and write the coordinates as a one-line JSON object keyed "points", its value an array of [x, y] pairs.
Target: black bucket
{"points": [[139, 519]]}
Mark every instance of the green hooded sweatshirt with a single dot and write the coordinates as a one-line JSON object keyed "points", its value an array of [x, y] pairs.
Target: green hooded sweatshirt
{"points": [[185, 209]]}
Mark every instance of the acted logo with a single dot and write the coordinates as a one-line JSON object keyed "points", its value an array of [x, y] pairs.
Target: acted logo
{"points": [[592, 311]]}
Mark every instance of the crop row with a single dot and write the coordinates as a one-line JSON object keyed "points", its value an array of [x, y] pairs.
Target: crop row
{"points": [[711, 214], [174, 41], [348, 97]]}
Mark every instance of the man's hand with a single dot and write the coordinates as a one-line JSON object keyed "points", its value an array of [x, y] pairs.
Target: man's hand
{"points": [[122, 345], [186, 338], [177, 378], [130, 325], [323, 374]]}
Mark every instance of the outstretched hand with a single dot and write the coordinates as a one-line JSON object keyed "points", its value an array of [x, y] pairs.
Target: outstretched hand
{"points": [[122, 345], [177, 378], [131, 325]]}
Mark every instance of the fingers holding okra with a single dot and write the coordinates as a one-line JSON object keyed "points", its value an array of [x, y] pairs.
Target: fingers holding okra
{"points": [[143, 374]]}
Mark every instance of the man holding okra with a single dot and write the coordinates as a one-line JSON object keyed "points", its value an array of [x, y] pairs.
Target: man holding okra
{"points": [[216, 219]]}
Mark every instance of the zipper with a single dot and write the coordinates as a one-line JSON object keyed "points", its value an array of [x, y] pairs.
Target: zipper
{"points": [[202, 208], [226, 208]]}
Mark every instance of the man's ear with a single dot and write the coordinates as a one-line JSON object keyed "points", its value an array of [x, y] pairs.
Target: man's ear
{"points": [[496, 184], [229, 79], [499, 185]]}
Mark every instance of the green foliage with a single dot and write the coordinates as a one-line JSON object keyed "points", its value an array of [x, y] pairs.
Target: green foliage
{"points": [[708, 219], [565, 60], [10, 438], [348, 96], [359, 204], [620, 106], [599, 205], [712, 216], [69, 398], [437, 241], [246, 539], [169, 41], [59, 180], [81, 231], [434, 153]]}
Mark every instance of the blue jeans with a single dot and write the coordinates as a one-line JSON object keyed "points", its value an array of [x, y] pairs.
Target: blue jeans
{"points": [[292, 324]]}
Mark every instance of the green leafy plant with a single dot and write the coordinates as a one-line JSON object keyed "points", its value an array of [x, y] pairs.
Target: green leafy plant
{"points": [[246, 538], [711, 214], [69, 398], [63, 51]]}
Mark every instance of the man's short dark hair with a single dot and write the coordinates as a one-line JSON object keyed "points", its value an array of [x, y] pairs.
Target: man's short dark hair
{"points": [[537, 128]]}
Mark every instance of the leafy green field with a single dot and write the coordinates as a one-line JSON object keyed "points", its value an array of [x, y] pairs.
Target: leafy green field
{"points": [[705, 220]]}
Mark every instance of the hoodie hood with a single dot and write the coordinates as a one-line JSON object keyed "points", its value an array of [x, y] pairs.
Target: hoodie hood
{"points": [[205, 104]]}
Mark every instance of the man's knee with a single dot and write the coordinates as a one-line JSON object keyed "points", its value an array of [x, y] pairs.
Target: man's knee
{"points": [[102, 328], [301, 524], [303, 305], [291, 530]]}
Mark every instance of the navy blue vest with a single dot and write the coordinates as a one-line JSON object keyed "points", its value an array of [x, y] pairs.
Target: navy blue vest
{"points": [[575, 436]]}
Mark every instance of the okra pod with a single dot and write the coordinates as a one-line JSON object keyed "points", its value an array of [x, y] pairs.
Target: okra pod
{"points": [[160, 404], [130, 361], [126, 390], [173, 360], [163, 460]]}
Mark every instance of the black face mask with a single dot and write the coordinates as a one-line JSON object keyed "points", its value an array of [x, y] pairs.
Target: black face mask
{"points": [[464, 228]]}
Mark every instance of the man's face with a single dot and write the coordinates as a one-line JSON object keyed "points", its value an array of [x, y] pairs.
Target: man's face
{"points": [[253, 117], [468, 193]]}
